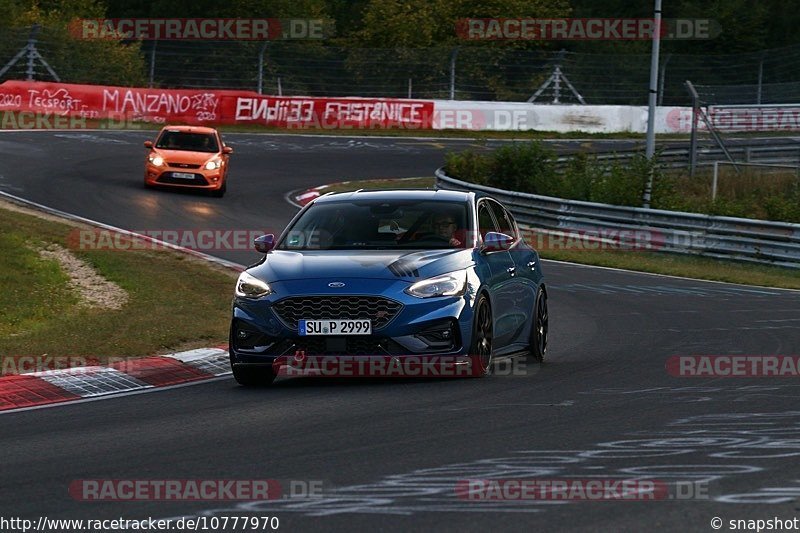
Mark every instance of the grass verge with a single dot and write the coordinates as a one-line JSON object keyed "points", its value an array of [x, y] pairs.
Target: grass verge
{"points": [[657, 263], [175, 301], [381, 184]]}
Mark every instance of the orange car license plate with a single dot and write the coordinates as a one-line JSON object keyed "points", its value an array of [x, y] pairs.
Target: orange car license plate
{"points": [[182, 176]]}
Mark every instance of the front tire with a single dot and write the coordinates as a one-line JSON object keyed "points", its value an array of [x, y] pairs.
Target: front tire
{"points": [[253, 376], [482, 333], [540, 327], [219, 193]]}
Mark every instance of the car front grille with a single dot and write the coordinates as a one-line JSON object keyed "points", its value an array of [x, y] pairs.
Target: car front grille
{"points": [[167, 177], [378, 309], [182, 165]]}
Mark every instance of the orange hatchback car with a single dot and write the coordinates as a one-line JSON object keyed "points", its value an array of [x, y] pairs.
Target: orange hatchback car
{"points": [[189, 157]]}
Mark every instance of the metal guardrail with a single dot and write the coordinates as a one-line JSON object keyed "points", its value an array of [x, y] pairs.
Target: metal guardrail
{"points": [[680, 157], [757, 241]]}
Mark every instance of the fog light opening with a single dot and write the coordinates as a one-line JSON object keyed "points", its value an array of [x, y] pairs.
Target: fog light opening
{"points": [[439, 337]]}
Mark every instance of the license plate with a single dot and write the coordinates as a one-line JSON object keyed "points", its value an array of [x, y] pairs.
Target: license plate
{"points": [[335, 327], [183, 176]]}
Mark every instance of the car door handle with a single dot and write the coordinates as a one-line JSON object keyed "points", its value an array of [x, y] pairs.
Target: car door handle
{"points": [[511, 270]]}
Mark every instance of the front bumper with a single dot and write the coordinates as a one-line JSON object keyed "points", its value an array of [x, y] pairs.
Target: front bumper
{"points": [[435, 326], [164, 176]]}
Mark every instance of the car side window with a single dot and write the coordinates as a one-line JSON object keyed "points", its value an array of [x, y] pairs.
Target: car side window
{"points": [[485, 220], [504, 220]]}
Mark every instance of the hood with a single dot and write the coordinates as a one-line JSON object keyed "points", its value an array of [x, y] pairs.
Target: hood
{"points": [[281, 265], [182, 156]]}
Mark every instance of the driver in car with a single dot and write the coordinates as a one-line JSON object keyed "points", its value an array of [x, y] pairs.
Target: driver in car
{"points": [[445, 226]]}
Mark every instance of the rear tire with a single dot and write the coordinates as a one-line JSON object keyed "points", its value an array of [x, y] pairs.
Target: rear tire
{"points": [[540, 327], [254, 376], [480, 350]]}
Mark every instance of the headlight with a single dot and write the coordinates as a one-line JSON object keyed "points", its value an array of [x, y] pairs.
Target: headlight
{"points": [[452, 284], [157, 160], [248, 286], [214, 164]]}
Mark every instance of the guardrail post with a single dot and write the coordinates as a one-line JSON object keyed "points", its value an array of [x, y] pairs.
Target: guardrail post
{"points": [[760, 79], [693, 137], [261, 53], [453, 56], [663, 78], [714, 181], [152, 64]]}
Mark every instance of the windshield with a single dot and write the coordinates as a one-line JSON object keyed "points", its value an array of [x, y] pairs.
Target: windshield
{"points": [[193, 142], [380, 225]]}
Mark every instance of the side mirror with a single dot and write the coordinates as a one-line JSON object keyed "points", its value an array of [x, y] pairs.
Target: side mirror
{"points": [[495, 242], [148, 144], [264, 244], [227, 150]]}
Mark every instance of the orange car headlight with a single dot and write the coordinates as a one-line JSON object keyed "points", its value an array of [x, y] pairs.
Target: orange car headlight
{"points": [[214, 164], [156, 160]]}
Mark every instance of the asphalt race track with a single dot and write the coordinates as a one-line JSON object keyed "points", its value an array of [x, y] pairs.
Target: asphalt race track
{"points": [[390, 453]]}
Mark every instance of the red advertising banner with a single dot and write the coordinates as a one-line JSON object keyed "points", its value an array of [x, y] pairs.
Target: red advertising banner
{"points": [[211, 107]]}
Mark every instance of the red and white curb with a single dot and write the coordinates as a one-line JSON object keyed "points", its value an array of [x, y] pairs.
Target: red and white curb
{"points": [[65, 385], [304, 196]]}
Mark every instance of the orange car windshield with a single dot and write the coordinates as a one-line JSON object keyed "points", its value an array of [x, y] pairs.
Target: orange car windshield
{"points": [[192, 142]]}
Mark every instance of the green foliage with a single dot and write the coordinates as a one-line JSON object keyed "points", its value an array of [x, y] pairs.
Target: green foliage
{"points": [[78, 61], [576, 181], [469, 166], [748, 195], [74, 60], [425, 23], [423, 33], [530, 168], [623, 183], [526, 167]]}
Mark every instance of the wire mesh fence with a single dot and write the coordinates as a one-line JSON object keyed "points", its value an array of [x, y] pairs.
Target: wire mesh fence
{"points": [[465, 73]]}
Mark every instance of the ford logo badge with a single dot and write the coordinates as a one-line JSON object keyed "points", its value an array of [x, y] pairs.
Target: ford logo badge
{"points": [[336, 284]]}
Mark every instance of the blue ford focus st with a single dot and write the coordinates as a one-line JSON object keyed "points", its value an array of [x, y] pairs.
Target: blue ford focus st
{"points": [[391, 274]]}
